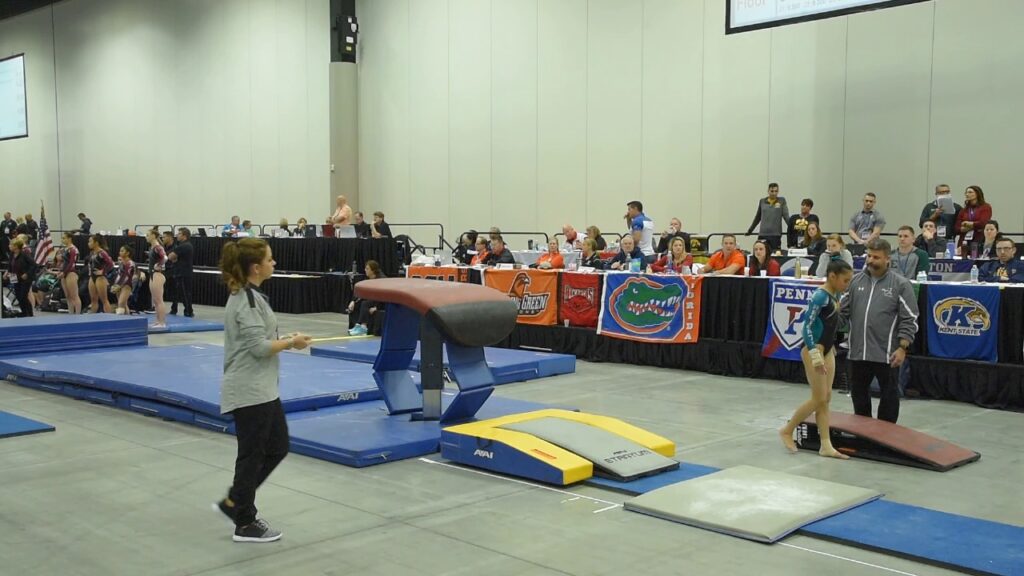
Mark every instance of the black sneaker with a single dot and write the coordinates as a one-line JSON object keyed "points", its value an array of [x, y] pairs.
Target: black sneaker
{"points": [[258, 531], [222, 507]]}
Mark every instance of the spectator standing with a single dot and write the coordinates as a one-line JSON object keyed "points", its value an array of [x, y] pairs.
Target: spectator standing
{"points": [[970, 222], [772, 211], [798, 223], [22, 269], [182, 256], [641, 227], [86, 228], [31, 227], [943, 219], [867, 224], [7, 227], [881, 309], [342, 215]]}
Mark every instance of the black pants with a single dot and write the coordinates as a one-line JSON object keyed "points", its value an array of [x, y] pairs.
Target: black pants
{"points": [[262, 434], [182, 292], [21, 291], [774, 243], [861, 375]]}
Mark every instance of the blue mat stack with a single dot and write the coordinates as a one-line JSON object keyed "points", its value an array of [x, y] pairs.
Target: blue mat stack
{"points": [[43, 334], [184, 324]]}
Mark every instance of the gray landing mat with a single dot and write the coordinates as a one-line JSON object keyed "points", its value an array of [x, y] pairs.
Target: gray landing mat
{"points": [[613, 456], [751, 503]]}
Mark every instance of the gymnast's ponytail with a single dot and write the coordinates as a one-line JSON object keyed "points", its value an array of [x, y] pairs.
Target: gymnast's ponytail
{"points": [[236, 258]]}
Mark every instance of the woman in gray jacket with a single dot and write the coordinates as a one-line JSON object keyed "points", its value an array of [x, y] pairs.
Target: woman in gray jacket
{"points": [[250, 388]]}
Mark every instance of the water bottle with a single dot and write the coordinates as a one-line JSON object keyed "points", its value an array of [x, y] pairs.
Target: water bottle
{"points": [[974, 274], [950, 249], [922, 276]]}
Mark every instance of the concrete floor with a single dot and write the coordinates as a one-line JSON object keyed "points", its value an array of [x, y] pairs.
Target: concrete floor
{"points": [[112, 492]]}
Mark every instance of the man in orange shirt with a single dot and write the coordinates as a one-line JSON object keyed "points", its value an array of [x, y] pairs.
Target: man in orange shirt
{"points": [[727, 261]]}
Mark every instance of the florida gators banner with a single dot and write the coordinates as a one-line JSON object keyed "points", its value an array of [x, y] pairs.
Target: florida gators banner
{"points": [[579, 300], [534, 291], [651, 308], [787, 303], [963, 321], [446, 273]]}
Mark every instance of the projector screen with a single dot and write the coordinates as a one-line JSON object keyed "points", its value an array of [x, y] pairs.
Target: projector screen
{"points": [[746, 15], [13, 110]]}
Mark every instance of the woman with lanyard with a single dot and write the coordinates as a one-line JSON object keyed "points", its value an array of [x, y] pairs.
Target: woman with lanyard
{"points": [[987, 250], [98, 264], [157, 260], [971, 220], [677, 261], [68, 274], [821, 320], [249, 391]]}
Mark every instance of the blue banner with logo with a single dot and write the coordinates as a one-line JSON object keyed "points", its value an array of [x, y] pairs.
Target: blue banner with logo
{"points": [[650, 308], [963, 321], [787, 303]]}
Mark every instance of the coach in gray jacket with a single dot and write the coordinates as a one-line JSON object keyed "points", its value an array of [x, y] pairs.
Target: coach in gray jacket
{"points": [[881, 309]]}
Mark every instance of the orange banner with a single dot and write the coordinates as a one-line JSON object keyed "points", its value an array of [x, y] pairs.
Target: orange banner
{"points": [[534, 291], [446, 273]]}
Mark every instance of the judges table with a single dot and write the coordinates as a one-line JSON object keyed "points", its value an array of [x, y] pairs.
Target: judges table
{"points": [[529, 257], [291, 254], [734, 314]]}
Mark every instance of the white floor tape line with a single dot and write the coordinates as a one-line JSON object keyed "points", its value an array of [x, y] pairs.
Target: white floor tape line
{"points": [[574, 495], [844, 558]]}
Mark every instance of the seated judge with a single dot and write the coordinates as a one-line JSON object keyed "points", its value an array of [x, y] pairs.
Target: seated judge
{"points": [[760, 260], [727, 261], [628, 252], [304, 230], [930, 241], [482, 252], [461, 254], [380, 228], [552, 259], [677, 260], [987, 247], [590, 258], [675, 230], [500, 254], [233, 229], [361, 226], [1006, 267]]}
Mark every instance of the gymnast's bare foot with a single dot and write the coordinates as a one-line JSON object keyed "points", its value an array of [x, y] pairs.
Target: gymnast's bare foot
{"points": [[787, 441], [832, 453]]}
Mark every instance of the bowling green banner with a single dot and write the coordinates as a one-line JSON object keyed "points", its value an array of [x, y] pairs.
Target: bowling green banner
{"points": [[535, 292]]}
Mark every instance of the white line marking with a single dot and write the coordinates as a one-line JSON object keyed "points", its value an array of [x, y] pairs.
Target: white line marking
{"points": [[610, 505], [893, 570]]}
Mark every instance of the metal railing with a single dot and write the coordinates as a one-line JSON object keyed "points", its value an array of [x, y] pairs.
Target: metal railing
{"points": [[505, 233]]}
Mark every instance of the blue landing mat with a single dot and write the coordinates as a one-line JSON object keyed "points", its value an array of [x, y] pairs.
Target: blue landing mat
{"points": [[188, 377], [363, 434], [685, 471], [183, 324], [506, 364], [14, 425], [53, 333], [948, 540]]}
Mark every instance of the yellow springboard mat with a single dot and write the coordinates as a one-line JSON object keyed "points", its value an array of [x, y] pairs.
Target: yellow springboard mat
{"points": [[749, 502]]}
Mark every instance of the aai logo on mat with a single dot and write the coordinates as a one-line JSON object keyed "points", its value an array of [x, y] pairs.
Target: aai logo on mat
{"points": [[961, 316], [789, 304]]}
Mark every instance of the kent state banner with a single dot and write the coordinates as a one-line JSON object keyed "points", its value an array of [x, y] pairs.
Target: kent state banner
{"points": [[787, 304], [963, 322], [651, 308]]}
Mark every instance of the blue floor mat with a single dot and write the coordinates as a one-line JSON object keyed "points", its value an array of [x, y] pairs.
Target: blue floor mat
{"points": [[14, 425], [686, 471], [189, 376], [60, 333], [506, 364], [364, 434], [184, 324], [940, 538]]}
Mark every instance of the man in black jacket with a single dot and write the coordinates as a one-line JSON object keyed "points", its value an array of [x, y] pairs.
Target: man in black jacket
{"points": [[675, 230], [380, 228], [182, 257], [7, 227], [500, 254]]}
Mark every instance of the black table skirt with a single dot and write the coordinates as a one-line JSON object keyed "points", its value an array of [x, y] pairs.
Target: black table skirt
{"points": [[291, 254], [326, 293]]}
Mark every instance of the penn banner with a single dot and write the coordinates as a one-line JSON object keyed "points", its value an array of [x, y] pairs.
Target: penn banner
{"points": [[534, 291], [446, 273], [787, 304], [579, 299], [664, 309], [963, 321]]}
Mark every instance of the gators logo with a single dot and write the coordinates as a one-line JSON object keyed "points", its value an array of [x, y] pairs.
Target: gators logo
{"points": [[961, 316], [644, 306], [529, 304]]}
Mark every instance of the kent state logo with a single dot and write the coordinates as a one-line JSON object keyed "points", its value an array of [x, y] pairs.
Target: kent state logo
{"points": [[529, 304], [646, 307], [789, 303], [959, 316]]}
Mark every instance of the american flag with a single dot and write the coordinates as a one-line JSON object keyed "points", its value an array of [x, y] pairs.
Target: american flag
{"points": [[45, 245]]}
